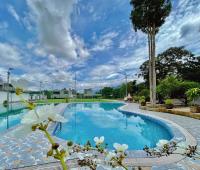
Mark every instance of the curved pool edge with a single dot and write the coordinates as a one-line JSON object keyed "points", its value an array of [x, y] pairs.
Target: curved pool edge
{"points": [[152, 161]]}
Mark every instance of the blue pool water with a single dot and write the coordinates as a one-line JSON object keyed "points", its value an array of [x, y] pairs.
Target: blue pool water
{"points": [[10, 119], [87, 120]]}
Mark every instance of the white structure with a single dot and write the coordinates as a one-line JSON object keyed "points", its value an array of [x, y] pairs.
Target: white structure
{"points": [[88, 93], [60, 94]]}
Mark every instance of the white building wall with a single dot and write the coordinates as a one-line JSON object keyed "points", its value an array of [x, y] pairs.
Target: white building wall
{"points": [[13, 96]]}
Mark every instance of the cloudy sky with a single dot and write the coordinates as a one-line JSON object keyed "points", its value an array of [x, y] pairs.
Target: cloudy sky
{"points": [[50, 40]]}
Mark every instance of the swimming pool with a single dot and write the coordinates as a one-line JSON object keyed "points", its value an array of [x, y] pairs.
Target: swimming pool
{"points": [[87, 120], [11, 118]]}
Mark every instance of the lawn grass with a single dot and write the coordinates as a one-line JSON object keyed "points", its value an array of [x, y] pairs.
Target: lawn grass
{"points": [[73, 100]]}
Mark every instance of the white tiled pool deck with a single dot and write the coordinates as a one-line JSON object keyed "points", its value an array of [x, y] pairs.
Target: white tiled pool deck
{"points": [[30, 152]]}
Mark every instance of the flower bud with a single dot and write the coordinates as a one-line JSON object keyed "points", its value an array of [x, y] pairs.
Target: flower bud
{"points": [[55, 146], [18, 91], [31, 105], [34, 127], [50, 153]]}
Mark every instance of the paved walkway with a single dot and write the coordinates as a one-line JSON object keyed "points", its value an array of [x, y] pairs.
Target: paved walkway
{"points": [[32, 150], [190, 124]]}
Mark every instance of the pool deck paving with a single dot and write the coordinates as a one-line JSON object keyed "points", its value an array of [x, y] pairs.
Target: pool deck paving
{"points": [[30, 153], [190, 124]]}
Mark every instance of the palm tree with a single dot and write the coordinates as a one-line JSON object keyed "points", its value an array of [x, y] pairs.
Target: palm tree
{"points": [[148, 16]]}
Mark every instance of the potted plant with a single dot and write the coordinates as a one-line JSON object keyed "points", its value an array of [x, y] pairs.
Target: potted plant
{"points": [[192, 95], [142, 101], [169, 104]]}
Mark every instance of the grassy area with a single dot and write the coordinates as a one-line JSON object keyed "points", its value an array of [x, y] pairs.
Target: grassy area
{"points": [[73, 100]]}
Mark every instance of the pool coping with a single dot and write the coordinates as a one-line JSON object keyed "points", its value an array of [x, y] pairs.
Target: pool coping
{"points": [[152, 161]]}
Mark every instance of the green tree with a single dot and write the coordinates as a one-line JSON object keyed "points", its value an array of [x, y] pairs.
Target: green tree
{"points": [[148, 16], [175, 61], [107, 92]]}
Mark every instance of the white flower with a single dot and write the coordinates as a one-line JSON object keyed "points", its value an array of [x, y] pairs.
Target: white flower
{"points": [[42, 113], [110, 156], [98, 140], [182, 147], [120, 148], [161, 143]]}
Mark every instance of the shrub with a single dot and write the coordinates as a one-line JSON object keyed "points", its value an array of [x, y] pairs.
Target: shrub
{"points": [[145, 92], [142, 101], [193, 94], [168, 101], [167, 86], [136, 98], [67, 100], [172, 87]]}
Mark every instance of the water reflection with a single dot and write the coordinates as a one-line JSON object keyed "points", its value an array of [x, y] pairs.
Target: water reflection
{"points": [[10, 115], [102, 119]]}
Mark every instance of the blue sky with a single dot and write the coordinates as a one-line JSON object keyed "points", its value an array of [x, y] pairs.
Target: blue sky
{"points": [[50, 40]]}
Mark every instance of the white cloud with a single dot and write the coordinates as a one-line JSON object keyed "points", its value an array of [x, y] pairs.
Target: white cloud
{"points": [[53, 20], [105, 42], [13, 13], [10, 56]]}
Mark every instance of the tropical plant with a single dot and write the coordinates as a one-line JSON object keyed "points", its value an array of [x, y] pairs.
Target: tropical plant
{"points": [[173, 87], [169, 103], [145, 93], [148, 16], [193, 94], [168, 86], [142, 101]]}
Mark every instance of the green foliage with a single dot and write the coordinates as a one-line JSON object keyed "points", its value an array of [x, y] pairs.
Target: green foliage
{"points": [[147, 14], [67, 100], [107, 92], [142, 100], [136, 98], [172, 87], [168, 102], [193, 94], [168, 86], [175, 61], [144, 92], [48, 94]]}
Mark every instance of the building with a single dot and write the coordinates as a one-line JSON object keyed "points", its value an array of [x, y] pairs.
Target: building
{"points": [[88, 93], [60, 94], [36, 95], [6, 87]]}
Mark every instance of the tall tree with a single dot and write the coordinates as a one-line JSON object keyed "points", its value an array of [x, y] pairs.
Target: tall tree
{"points": [[148, 16], [175, 61]]}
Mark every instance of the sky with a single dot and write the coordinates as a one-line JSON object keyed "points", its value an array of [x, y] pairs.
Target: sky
{"points": [[50, 41]]}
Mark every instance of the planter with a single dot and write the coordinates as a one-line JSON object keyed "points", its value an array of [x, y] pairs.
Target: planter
{"points": [[169, 106], [195, 109]]}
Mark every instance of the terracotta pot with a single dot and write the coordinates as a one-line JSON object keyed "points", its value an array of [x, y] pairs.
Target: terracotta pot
{"points": [[195, 109]]}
